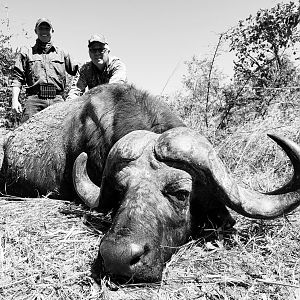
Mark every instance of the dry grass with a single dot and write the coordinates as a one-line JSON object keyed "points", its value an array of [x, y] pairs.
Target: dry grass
{"points": [[44, 253], [47, 246]]}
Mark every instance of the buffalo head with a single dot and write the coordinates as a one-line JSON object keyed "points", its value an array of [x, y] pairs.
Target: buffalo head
{"points": [[160, 187]]}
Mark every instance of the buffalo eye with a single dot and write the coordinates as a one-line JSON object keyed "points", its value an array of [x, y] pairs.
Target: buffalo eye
{"points": [[179, 190], [181, 195]]}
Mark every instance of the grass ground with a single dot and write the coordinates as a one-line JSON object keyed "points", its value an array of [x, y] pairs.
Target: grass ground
{"points": [[47, 246]]}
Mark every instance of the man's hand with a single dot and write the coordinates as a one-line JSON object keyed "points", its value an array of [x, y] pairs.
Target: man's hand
{"points": [[16, 107]]}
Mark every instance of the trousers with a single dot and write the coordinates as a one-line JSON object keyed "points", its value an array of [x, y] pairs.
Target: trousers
{"points": [[34, 104]]}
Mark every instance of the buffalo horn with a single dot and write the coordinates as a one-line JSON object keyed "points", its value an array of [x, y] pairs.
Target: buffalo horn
{"points": [[185, 145], [293, 152], [85, 188]]}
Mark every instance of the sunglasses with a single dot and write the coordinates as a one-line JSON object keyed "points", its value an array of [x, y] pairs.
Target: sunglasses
{"points": [[95, 50]]}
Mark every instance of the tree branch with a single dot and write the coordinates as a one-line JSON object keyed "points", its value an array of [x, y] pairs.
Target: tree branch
{"points": [[209, 78]]}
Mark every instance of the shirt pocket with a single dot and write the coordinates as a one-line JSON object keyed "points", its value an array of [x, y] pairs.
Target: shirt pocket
{"points": [[35, 67], [57, 65]]}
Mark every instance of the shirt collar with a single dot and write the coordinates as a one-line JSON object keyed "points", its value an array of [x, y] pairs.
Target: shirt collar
{"points": [[35, 47]]}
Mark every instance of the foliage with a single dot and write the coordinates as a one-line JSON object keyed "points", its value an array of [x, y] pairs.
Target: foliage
{"points": [[264, 70], [261, 44], [7, 57], [194, 99], [69, 80]]}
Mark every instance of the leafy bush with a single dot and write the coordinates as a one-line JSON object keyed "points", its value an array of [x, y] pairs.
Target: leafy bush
{"points": [[265, 76]]}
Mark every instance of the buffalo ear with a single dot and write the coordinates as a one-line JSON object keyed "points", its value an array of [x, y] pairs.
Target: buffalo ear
{"points": [[109, 197], [209, 213]]}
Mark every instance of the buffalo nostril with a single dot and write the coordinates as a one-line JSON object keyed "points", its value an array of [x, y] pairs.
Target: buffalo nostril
{"points": [[137, 251], [123, 259]]}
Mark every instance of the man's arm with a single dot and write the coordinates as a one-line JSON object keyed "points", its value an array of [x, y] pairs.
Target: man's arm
{"points": [[78, 85], [118, 71], [18, 80], [70, 65], [16, 106]]}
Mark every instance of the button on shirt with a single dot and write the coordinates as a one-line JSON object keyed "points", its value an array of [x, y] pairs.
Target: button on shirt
{"points": [[33, 68], [89, 76]]}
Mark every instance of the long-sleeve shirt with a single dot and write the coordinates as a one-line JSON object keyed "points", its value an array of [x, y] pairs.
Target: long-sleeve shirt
{"points": [[33, 68], [89, 76]]}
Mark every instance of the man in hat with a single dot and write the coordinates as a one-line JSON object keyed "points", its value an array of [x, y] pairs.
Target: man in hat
{"points": [[42, 69], [103, 68]]}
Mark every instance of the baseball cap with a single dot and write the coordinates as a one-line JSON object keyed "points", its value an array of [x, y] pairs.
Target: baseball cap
{"points": [[97, 38], [43, 20]]}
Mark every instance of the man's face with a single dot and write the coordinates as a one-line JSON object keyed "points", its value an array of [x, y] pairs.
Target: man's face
{"points": [[98, 54], [44, 32]]}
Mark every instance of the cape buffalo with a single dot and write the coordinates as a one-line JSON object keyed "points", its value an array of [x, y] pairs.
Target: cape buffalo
{"points": [[123, 150]]}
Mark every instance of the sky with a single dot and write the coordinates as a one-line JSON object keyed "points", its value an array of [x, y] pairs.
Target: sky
{"points": [[153, 38]]}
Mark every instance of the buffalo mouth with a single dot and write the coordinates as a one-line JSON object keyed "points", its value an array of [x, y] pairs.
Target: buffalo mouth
{"points": [[125, 261], [142, 274]]}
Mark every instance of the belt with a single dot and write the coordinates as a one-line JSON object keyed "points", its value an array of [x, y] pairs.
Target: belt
{"points": [[44, 91], [37, 94]]}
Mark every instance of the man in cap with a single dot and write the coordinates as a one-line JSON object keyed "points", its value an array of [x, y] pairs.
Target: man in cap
{"points": [[42, 69], [103, 68]]}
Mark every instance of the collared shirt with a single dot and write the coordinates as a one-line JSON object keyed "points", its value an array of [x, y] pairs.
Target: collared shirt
{"points": [[89, 76], [33, 68]]}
